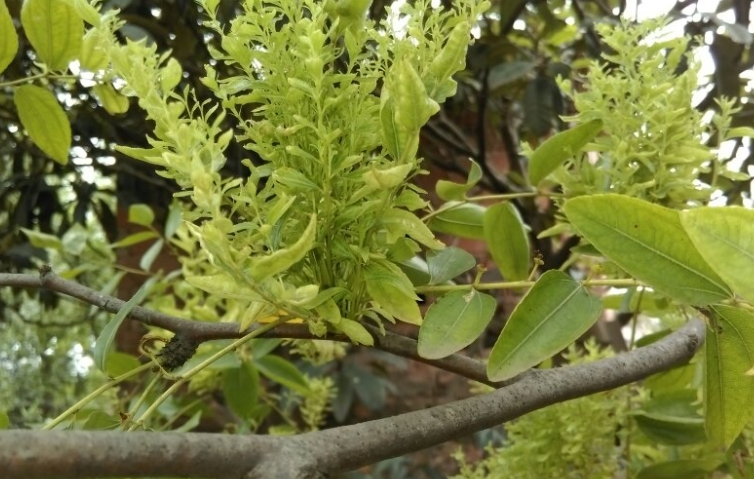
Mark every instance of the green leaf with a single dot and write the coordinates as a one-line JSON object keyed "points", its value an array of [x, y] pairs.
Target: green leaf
{"points": [[282, 372], [413, 107], [453, 322], [672, 418], [725, 239], [54, 29], [355, 331], [114, 102], [648, 242], [9, 38], [4, 420], [118, 363], [173, 221], [554, 313], [399, 223], [391, 289], [558, 148], [44, 120], [448, 263], [241, 389], [738, 132], [729, 392], [507, 241], [107, 336], [449, 191], [682, 468], [464, 220], [281, 260], [43, 240], [140, 214], [135, 238], [150, 255], [504, 73]]}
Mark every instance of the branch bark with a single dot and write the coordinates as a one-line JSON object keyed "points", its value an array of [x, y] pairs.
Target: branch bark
{"points": [[81, 454]]}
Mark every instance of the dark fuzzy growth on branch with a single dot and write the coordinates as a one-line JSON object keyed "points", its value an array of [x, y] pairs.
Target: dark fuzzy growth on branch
{"points": [[177, 351]]}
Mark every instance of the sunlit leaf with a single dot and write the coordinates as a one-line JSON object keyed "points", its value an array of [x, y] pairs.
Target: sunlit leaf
{"points": [[9, 38], [44, 120], [114, 102], [554, 313], [453, 322], [54, 29], [648, 242], [282, 259], [507, 241], [729, 392], [725, 238], [558, 148], [140, 214]]}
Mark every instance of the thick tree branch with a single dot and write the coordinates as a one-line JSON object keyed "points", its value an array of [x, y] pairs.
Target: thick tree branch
{"points": [[36, 454], [202, 331]]}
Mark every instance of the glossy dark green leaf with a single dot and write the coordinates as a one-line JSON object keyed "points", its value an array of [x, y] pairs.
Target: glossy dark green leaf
{"points": [[464, 220], [507, 241], [648, 242], [241, 389], [446, 264], [558, 148], [453, 322], [554, 313], [282, 372], [729, 391]]}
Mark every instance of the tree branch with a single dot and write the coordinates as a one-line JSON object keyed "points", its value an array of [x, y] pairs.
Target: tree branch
{"points": [[80, 454]]}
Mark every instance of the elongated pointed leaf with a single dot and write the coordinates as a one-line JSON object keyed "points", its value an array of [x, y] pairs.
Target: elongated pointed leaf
{"points": [[107, 336], [447, 263], [552, 315], [283, 259], [54, 29], [729, 392], [453, 322], [9, 38], [283, 372], [725, 238], [44, 120], [507, 241], [649, 243], [558, 148], [241, 388]]}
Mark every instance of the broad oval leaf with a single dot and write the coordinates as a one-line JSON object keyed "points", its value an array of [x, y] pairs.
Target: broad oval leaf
{"points": [[649, 243], [54, 29], [464, 220], [507, 241], [725, 238], [453, 322], [9, 38], [391, 289], [44, 120], [729, 392], [554, 313], [241, 388], [447, 263], [282, 372], [140, 214], [355, 331], [558, 148]]}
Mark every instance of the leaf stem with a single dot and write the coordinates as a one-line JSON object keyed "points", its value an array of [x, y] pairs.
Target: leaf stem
{"points": [[617, 283]]}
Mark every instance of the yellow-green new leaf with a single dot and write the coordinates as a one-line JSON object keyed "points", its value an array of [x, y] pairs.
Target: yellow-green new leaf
{"points": [[453, 322], [725, 238], [54, 29], [283, 259], [649, 242], [507, 241], [355, 331], [558, 148], [391, 289], [113, 101], [729, 392], [8, 39], [44, 120], [554, 313]]}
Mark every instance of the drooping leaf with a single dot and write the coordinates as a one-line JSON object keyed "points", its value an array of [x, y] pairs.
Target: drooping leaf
{"points": [[449, 191], [9, 38], [453, 322], [150, 255], [399, 223], [135, 238], [465, 220], [725, 239], [729, 392], [241, 388], [648, 242], [558, 148], [552, 315], [448, 263], [114, 102], [283, 372], [107, 336], [140, 214], [43, 240], [507, 241], [389, 287], [283, 259], [54, 29], [44, 120]]}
